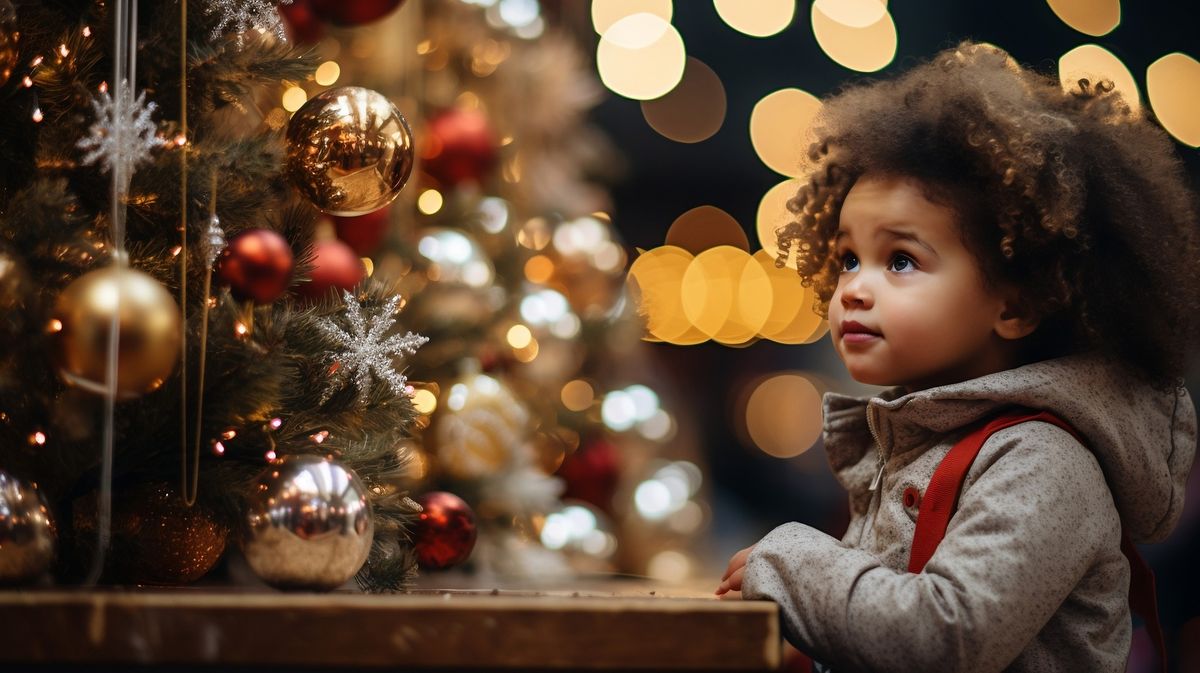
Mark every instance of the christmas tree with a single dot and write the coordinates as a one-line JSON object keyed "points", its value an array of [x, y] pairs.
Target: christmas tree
{"points": [[137, 165]]}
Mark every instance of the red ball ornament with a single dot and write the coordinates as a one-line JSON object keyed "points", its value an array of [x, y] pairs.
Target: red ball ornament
{"points": [[256, 265], [592, 473], [445, 532], [460, 146], [363, 233], [335, 267], [302, 23], [353, 12]]}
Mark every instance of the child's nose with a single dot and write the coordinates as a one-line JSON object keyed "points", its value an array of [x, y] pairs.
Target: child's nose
{"points": [[856, 291]]}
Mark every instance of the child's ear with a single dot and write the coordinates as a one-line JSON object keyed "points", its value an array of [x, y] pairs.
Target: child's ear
{"points": [[1015, 321]]}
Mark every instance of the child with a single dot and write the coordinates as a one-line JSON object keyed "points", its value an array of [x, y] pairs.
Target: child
{"points": [[983, 241]]}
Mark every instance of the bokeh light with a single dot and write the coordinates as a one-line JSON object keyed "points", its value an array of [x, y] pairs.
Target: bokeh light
{"points": [[1173, 89], [654, 283], [865, 49], [641, 56], [1094, 63], [607, 12], [294, 98], [783, 415], [430, 201], [424, 401], [327, 73], [1093, 17], [578, 395], [780, 126], [759, 18], [669, 565], [773, 213], [726, 294], [691, 112], [705, 227], [791, 319], [853, 13]]}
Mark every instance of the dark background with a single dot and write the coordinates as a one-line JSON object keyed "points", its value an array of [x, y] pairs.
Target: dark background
{"points": [[752, 492]]}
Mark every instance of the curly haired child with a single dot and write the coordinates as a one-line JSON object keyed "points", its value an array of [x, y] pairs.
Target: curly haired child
{"points": [[984, 241]]}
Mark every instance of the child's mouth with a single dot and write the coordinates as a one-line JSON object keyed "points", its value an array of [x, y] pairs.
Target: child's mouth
{"points": [[856, 332]]}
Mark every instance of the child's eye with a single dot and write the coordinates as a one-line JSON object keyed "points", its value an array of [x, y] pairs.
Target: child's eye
{"points": [[902, 263], [849, 262]]}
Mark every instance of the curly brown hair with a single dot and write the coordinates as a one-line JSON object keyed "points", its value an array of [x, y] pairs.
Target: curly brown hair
{"points": [[1074, 198]]}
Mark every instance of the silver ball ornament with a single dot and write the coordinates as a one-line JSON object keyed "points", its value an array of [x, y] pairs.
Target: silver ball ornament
{"points": [[308, 524], [27, 531]]}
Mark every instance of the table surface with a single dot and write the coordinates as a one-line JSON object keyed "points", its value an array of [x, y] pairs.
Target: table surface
{"points": [[588, 625]]}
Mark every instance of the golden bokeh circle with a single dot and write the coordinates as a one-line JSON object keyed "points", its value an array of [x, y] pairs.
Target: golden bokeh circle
{"points": [[853, 13], [1173, 89], [865, 49], [607, 12], [726, 295], [641, 56], [1092, 17], [780, 129], [691, 112], [773, 213], [578, 395], [654, 284], [1093, 62], [760, 18], [706, 227], [783, 415]]}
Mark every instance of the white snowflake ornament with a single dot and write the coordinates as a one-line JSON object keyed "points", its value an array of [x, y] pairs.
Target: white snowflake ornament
{"points": [[241, 16], [124, 137], [364, 352]]}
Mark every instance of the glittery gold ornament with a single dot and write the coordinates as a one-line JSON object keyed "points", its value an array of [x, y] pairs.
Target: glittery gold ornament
{"points": [[308, 524], [27, 533], [349, 150], [478, 427], [148, 330], [8, 40], [156, 538]]}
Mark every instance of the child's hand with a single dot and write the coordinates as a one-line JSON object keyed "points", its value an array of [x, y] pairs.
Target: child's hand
{"points": [[732, 579]]}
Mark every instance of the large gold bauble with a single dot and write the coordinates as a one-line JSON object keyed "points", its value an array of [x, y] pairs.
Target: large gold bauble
{"points": [[8, 40], [149, 330], [349, 150]]}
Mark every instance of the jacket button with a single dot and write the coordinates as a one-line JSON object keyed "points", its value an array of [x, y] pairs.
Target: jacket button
{"points": [[911, 497]]}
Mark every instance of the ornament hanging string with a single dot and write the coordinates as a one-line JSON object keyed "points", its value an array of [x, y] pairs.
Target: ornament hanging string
{"points": [[124, 66], [212, 243], [189, 496]]}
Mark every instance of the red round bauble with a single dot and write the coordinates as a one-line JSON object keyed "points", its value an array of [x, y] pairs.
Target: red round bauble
{"points": [[460, 146], [592, 472], [363, 233], [256, 265], [445, 532], [335, 267], [303, 24], [353, 12]]}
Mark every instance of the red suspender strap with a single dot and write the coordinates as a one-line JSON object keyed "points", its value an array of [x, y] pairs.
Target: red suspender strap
{"points": [[941, 499]]}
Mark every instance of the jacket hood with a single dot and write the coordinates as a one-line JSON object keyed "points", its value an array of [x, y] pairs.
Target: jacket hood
{"points": [[1144, 438]]}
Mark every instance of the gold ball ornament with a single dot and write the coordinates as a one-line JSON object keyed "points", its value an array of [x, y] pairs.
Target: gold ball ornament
{"points": [[148, 331], [350, 151], [8, 40]]}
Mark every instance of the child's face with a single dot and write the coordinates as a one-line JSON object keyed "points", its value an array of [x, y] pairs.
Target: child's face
{"points": [[924, 316]]}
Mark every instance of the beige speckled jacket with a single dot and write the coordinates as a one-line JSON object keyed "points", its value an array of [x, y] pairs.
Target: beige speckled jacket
{"points": [[1030, 575]]}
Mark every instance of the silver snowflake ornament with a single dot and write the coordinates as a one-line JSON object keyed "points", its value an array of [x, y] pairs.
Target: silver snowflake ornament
{"points": [[241, 16], [123, 137], [364, 352]]}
